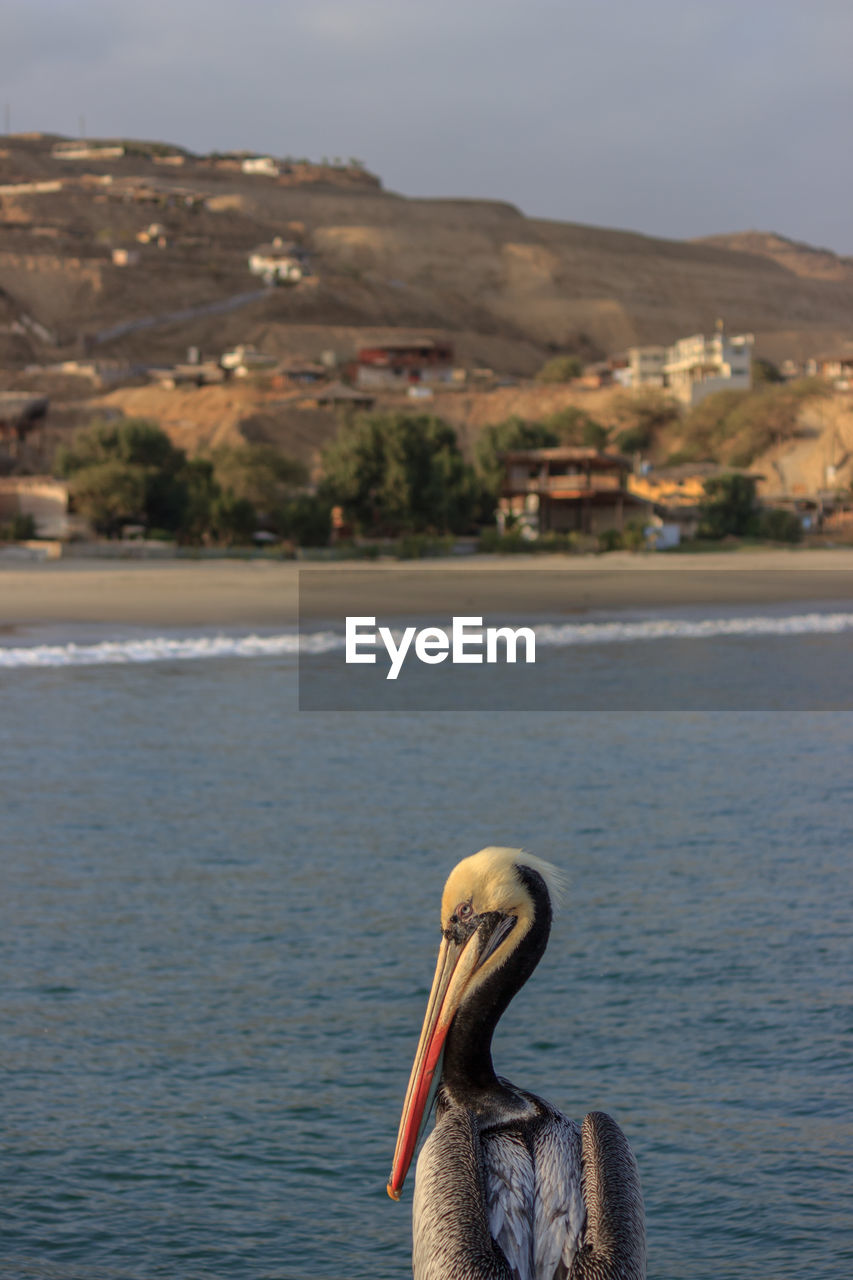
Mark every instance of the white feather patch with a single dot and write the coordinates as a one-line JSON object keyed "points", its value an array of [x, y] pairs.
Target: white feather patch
{"points": [[534, 1200]]}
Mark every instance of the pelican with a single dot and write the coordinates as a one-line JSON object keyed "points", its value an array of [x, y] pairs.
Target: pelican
{"points": [[506, 1188]]}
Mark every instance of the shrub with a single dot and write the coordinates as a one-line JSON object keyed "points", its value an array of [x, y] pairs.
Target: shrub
{"points": [[560, 369], [765, 372], [778, 525], [21, 528], [642, 415], [610, 540], [737, 426], [634, 536], [415, 546], [514, 542], [575, 426]]}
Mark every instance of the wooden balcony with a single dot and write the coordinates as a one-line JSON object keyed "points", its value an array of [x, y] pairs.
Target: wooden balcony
{"points": [[575, 484]]}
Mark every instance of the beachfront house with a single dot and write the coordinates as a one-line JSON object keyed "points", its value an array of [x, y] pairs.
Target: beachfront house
{"points": [[567, 489], [43, 498]]}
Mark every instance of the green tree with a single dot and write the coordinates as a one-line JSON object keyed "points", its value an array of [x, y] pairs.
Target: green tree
{"points": [[307, 520], [127, 472], [574, 425], [260, 473], [232, 520], [265, 478], [201, 493], [130, 472], [729, 507], [560, 369], [634, 439], [395, 474], [109, 494], [134, 441]]}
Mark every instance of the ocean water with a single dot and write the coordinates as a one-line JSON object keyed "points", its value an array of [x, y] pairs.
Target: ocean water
{"points": [[218, 922]]}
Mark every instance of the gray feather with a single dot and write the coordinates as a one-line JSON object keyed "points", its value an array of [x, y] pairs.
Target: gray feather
{"points": [[614, 1246], [450, 1234]]}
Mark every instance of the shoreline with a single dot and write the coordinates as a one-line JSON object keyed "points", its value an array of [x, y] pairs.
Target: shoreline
{"points": [[262, 593]]}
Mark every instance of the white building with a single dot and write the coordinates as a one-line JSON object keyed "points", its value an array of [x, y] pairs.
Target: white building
{"points": [[645, 366], [244, 360], [279, 262], [694, 367], [697, 366], [261, 164]]}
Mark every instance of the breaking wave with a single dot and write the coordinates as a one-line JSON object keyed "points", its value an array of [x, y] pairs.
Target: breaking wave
{"points": [[290, 645], [574, 633]]}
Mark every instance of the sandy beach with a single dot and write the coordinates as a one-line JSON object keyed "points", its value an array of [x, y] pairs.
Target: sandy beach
{"points": [[229, 593]]}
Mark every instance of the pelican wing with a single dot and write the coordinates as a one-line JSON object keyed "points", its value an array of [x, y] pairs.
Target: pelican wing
{"points": [[451, 1239], [614, 1244]]}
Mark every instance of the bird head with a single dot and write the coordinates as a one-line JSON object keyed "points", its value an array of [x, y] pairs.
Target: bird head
{"points": [[487, 910]]}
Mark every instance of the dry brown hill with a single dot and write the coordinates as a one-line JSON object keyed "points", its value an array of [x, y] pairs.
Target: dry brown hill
{"points": [[508, 289], [803, 259]]}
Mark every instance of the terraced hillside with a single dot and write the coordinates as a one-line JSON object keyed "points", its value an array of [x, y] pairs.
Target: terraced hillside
{"points": [[507, 289]]}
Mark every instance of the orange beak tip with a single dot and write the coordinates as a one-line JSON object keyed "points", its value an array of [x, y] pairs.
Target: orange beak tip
{"points": [[394, 1192]]}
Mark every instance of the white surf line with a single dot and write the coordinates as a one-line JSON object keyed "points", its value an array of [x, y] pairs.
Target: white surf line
{"points": [[563, 635], [586, 633], [154, 649]]}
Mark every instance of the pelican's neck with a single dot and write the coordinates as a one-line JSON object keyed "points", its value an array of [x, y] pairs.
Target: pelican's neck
{"points": [[468, 1076]]}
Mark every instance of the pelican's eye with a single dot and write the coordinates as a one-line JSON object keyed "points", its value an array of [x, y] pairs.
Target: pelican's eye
{"points": [[464, 911]]}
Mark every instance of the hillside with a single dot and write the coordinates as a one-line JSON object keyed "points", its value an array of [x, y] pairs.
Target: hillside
{"points": [[507, 289]]}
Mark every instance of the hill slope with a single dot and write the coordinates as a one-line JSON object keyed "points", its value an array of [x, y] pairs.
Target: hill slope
{"points": [[508, 288]]}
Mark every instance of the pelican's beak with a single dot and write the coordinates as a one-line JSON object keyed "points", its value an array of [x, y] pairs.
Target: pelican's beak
{"points": [[457, 964]]}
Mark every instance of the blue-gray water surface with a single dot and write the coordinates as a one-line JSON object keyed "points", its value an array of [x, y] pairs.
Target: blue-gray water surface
{"points": [[218, 920]]}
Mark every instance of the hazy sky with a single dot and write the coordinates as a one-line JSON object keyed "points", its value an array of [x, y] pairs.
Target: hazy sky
{"points": [[674, 117]]}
